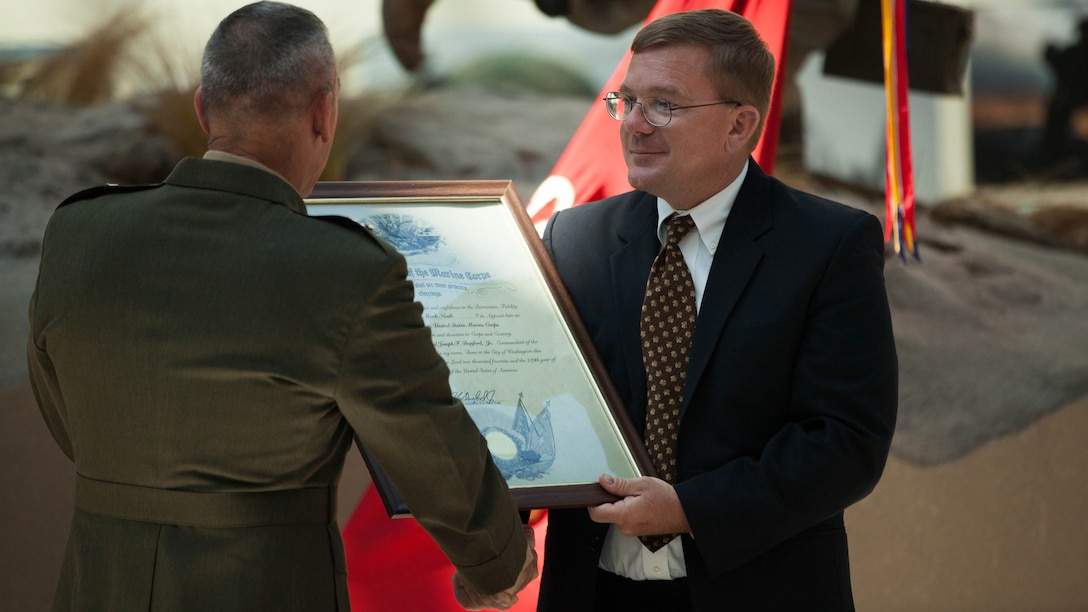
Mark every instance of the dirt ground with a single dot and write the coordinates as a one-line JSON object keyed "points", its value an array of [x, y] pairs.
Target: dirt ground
{"points": [[1002, 529]]}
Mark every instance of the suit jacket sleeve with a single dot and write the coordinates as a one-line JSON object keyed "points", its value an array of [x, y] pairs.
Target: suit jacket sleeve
{"points": [[449, 480]]}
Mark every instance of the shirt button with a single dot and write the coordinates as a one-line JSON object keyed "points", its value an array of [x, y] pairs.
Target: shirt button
{"points": [[657, 570]]}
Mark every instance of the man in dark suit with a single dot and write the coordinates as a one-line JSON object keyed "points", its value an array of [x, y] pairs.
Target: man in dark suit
{"points": [[787, 386], [205, 353]]}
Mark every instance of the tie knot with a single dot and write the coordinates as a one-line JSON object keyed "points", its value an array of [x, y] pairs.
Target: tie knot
{"points": [[678, 227]]}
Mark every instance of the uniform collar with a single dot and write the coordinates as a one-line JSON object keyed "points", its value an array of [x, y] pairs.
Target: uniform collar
{"points": [[242, 179]]}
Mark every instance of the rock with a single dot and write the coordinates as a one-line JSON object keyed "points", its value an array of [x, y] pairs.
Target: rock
{"points": [[1052, 224], [49, 151], [990, 326], [471, 133]]}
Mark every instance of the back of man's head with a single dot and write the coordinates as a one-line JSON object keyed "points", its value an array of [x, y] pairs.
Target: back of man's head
{"points": [[266, 58]]}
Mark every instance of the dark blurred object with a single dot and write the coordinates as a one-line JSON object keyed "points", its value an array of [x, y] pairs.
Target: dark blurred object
{"points": [[938, 46], [600, 16], [402, 20], [1069, 65]]}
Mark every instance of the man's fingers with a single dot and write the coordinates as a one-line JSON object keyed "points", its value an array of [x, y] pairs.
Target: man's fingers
{"points": [[605, 513], [500, 601], [614, 485], [470, 599]]}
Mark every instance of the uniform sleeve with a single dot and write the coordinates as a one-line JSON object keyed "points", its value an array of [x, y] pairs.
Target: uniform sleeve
{"points": [[394, 390], [43, 378]]}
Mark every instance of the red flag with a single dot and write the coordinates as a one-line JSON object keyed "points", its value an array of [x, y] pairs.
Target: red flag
{"points": [[394, 566], [592, 165], [392, 563]]}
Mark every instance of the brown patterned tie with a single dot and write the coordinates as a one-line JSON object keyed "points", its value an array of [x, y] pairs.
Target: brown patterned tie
{"points": [[668, 323]]}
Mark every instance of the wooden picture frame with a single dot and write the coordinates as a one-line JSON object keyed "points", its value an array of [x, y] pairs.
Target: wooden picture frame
{"points": [[520, 358]]}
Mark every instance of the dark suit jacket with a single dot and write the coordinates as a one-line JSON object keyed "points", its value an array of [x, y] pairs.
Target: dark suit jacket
{"points": [[791, 397], [204, 352]]}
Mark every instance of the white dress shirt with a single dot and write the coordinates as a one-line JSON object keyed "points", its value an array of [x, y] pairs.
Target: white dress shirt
{"points": [[623, 555]]}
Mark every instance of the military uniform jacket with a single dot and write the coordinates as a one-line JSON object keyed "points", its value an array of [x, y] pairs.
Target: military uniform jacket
{"points": [[204, 352]]}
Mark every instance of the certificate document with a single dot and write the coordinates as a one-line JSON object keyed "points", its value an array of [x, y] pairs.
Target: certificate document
{"points": [[513, 348]]}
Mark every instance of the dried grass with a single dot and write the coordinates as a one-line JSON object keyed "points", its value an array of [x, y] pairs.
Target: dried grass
{"points": [[169, 105], [119, 59], [358, 116], [85, 72]]}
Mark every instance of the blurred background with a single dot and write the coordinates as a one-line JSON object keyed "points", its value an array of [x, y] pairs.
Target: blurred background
{"points": [[983, 505]]}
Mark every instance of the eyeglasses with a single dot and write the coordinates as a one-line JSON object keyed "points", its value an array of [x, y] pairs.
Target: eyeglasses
{"points": [[657, 111]]}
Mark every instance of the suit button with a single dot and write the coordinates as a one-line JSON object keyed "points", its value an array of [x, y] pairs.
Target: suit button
{"points": [[595, 545]]}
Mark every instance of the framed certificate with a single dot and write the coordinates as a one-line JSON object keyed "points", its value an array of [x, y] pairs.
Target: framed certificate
{"points": [[519, 357]]}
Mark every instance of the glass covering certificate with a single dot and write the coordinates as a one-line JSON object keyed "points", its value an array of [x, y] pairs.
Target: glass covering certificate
{"points": [[516, 352]]}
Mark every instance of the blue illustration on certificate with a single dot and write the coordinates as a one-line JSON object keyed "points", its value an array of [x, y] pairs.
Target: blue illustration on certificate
{"points": [[406, 232], [548, 447]]}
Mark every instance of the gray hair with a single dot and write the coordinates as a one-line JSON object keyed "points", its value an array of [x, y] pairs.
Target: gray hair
{"points": [[267, 57], [740, 64]]}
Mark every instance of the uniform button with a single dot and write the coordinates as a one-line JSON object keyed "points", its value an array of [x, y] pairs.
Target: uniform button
{"points": [[657, 570]]}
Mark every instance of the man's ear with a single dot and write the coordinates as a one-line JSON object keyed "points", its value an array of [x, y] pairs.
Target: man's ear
{"points": [[324, 115], [744, 126], [201, 115]]}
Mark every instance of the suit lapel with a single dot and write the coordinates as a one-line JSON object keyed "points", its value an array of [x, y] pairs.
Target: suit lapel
{"points": [[630, 269], [735, 262]]}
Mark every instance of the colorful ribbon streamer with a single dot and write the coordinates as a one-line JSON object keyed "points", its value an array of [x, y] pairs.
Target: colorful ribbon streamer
{"points": [[899, 190]]}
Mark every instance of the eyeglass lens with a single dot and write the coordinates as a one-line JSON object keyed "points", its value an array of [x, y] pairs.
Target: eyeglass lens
{"points": [[658, 111]]}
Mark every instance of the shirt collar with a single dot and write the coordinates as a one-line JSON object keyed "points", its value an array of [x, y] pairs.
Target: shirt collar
{"points": [[215, 155], [709, 215]]}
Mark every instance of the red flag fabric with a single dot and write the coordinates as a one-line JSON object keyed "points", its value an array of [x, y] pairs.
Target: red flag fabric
{"points": [[393, 565], [592, 166]]}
